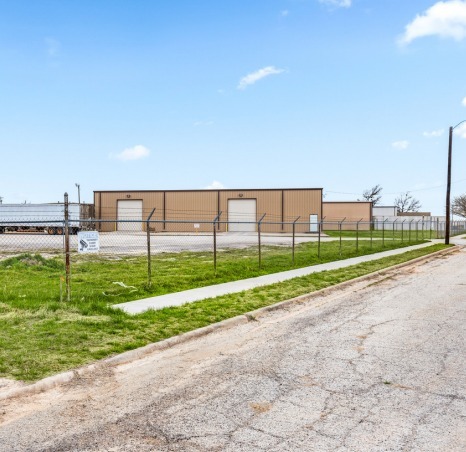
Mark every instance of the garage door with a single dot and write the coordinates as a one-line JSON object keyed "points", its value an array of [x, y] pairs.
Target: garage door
{"points": [[129, 210], [242, 215]]}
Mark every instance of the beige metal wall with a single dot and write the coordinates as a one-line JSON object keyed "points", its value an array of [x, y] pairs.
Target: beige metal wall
{"points": [[350, 211], [302, 204], [195, 206], [106, 206], [267, 201], [192, 207]]}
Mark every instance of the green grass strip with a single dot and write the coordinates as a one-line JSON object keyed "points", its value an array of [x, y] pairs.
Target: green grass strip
{"points": [[31, 281], [41, 339]]}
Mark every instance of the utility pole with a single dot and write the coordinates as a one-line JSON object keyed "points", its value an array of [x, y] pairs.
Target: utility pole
{"points": [[67, 250], [447, 208]]}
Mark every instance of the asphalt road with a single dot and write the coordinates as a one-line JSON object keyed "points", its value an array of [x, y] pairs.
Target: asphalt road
{"points": [[379, 366]]}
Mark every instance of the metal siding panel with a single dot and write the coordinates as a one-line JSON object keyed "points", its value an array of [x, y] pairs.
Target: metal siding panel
{"points": [[150, 200], [198, 207], [352, 211], [203, 205], [302, 203], [267, 201]]}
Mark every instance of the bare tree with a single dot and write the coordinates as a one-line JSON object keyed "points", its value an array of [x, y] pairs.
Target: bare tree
{"points": [[406, 203], [459, 206], [372, 194]]}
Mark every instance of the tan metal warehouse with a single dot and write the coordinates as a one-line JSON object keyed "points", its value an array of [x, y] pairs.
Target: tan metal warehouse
{"points": [[195, 210], [350, 212]]}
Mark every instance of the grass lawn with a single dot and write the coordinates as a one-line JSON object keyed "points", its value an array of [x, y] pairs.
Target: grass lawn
{"points": [[40, 335], [388, 234]]}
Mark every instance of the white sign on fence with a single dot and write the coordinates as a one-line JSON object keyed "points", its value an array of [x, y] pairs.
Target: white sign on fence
{"points": [[88, 242]]}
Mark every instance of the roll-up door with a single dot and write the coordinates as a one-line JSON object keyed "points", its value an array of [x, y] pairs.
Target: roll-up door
{"points": [[129, 210], [242, 215]]}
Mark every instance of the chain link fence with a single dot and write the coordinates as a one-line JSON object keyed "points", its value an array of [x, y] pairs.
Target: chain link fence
{"points": [[136, 235], [162, 242]]}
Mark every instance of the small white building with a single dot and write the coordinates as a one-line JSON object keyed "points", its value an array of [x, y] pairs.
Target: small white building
{"points": [[388, 216], [384, 211]]}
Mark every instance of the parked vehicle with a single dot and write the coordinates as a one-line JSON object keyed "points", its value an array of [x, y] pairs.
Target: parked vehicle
{"points": [[48, 218]]}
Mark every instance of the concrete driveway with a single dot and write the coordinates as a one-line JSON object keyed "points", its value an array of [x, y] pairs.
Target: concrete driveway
{"points": [[126, 243], [136, 243], [378, 366]]}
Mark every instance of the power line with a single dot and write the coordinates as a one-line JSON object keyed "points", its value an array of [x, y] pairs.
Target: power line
{"points": [[433, 187]]}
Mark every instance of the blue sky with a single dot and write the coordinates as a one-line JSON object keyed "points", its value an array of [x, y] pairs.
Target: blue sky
{"points": [[178, 94]]}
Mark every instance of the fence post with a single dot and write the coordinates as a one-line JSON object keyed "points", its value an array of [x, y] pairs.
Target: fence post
{"points": [[383, 232], [67, 252], [214, 224], [294, 231], [215, 247], [339, 227], [318, 240], [259, 239], [372, 226], [409, 236], [321, 228], [149, 260], [357, 235], [417, 230], [402, 224], [393, 227]]}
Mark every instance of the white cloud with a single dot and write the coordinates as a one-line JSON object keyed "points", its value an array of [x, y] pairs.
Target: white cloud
{"points": [[400, 145], [134, 153], [434, 133], [445, 19], [461, 130], [254, 77], [215, 185], [53, 47], [464, 102], [338, 3], [284, 13]]}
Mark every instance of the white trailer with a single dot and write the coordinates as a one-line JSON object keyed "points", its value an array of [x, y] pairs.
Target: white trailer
{"points": [[48, 218]]}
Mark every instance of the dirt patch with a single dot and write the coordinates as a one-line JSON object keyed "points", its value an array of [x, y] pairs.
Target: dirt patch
{"points": [[6, 385], [261, 407]]}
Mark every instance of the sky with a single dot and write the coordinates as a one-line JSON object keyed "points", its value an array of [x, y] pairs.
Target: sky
{"points": [[182, 94]]}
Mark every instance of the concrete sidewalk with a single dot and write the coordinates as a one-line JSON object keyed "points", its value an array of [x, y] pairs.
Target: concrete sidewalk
{"points": [[189, 296]]}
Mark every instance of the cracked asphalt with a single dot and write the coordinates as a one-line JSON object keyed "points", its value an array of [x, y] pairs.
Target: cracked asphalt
{"points": [[378, 366]]}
